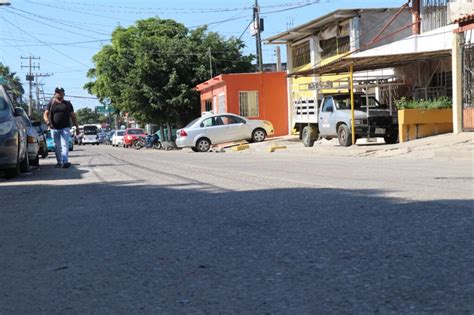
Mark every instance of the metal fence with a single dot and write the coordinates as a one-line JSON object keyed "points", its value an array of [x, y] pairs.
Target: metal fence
{"points": [[468, 79], [468, 88]]}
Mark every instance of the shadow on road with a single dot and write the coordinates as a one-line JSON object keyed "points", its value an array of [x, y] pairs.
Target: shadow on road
{"points": [[46, 173], [190, 248]]}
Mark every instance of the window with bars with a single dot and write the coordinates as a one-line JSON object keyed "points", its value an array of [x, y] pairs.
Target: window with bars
{"points": [[248, 103], [301, 54], [208, 105], [334, 46]]}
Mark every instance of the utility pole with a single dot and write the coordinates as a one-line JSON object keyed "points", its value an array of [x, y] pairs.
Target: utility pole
{"points": [[258, 29], [37, 85], [278, 58], [210, 62], [30, 77]]}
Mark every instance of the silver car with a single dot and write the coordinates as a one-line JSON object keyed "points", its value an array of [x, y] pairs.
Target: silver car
{"points": [[33, 138], [117, 138], [13, 138], [212, 129]]}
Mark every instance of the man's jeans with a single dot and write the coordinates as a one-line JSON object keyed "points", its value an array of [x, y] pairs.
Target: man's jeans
{"points": [[61, 144]]}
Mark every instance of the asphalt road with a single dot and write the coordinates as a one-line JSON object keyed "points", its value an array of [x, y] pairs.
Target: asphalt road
{"points": [[125, 231]]}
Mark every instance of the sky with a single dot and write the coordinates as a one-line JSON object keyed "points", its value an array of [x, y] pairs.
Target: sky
{"points": [[66, 34]]}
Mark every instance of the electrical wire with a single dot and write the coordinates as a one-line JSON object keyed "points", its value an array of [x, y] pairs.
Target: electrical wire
{"points": [[148, 10], [79, 11], [21, 34], [49, 46], [300, 5], [56, 27], [141, 10], [61, 44], [57, 21], [76, 96], [243, 32], [291, 8]]}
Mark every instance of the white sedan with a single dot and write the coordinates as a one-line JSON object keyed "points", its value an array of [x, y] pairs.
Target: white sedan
{"points": [[211, 129], [117, 138]]}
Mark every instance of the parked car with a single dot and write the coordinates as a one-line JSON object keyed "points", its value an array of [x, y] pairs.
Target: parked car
{"points": [[13, 138], [117, 138], [108, 137], [50, 142], [41, 130], [90, 135], [131, 134], [211, 129], [33, 138], [102, 136]]}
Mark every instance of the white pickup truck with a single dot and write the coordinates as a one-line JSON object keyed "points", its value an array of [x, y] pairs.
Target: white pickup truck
{"points": [[331, 118]]}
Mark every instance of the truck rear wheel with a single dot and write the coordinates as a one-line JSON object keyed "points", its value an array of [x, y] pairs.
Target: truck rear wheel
{"points": [[310, 134], [344, 136]]}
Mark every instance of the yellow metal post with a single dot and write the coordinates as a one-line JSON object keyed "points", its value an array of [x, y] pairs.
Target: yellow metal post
{"points": [[351, 84]]}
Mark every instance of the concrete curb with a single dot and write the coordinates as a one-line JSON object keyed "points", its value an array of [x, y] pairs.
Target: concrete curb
{"points": [[273, 148]]}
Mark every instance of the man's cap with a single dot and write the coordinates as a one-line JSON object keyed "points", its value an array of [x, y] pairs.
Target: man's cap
{"points": [[59, 90]]}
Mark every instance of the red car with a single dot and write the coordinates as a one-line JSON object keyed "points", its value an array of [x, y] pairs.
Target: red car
{"points": [[131, 134]]}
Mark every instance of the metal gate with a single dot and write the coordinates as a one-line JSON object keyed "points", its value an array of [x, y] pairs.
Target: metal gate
{"points": [[468, 88]]}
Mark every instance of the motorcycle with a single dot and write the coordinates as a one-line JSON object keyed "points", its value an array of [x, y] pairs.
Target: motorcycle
{"points": [[151, 141]]}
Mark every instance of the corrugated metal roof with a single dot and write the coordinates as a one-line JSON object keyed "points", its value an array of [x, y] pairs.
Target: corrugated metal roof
{"points": [[311, 27]]}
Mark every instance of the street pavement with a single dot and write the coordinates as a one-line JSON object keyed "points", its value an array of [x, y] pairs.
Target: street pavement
{"points": [[126, 231]]}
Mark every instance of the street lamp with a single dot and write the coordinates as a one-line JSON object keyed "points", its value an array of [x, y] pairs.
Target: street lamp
{"points": [[4, 2]]}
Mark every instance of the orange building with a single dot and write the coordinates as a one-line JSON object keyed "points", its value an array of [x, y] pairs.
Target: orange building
{"points": [[261, 95]]}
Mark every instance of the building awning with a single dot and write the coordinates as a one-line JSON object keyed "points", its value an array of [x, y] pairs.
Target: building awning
{"points": [[427, 46], [311, 27]]}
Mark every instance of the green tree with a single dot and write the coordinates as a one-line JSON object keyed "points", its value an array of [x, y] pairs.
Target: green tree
{"points": [[88, 116], [150, 69], [14, 83]]}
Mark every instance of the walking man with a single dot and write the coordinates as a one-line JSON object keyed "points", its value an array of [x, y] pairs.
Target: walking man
{"points": [[58, 117]]}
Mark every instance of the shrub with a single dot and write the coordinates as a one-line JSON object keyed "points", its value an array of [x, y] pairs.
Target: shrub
{"points": [[442, 102]]}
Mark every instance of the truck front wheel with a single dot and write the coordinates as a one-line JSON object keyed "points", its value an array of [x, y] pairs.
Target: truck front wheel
{"points": [[391, 138], [344, 136], [310, 134]]}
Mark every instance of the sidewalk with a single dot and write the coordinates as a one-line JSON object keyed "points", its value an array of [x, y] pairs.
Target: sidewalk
{"points": [[445, 146]]}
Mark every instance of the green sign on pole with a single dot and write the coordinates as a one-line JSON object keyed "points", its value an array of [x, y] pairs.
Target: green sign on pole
{"points": [[100, 109]]}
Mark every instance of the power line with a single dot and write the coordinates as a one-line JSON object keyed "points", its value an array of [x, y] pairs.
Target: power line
{"points": [[220, 22], [300, 5], [51, 47], [292, 4], [245, 29], [56, 27], [79, 11], [147, 10], [77, 96], [57, 21], [10, 32], [52, 44]]}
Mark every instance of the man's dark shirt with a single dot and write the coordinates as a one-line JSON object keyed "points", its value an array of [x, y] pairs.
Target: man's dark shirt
{"points": [[60, 114]]}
